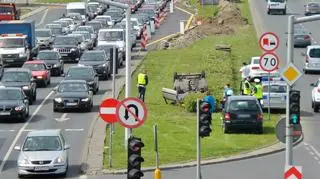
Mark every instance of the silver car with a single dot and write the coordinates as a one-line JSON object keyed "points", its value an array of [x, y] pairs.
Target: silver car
{"points": [[301, 37], [43, 152], [278, 93], [312, 8], [312, 58]]}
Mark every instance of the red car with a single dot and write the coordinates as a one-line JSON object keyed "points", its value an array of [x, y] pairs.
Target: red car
{"points": [[40, 71]]}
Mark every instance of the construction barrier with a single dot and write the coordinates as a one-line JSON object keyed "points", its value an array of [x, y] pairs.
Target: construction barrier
{"points": [[144, 40], [157, 22]]}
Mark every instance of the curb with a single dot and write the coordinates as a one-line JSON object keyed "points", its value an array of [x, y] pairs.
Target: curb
{"points": [[34, 12], [213, 161]]}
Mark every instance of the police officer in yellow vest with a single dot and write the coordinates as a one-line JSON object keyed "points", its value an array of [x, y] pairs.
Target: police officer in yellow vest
{"points": [[257, 90], [246, 87], [142, 83]]}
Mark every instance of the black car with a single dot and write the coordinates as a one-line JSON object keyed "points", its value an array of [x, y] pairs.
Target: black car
{"points": [[72, 94], [242, 112], [86, 73], [98, 60], [21, 77], [13, 103], [68, 47], [53, 61], [107, 49], [96, 25]]}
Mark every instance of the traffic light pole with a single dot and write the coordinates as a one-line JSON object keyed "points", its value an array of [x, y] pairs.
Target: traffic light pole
{"points": [[198, 141], [291, 21]]}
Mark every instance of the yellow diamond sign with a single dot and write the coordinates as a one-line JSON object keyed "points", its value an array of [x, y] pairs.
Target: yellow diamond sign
{"points": [[291, 74]]}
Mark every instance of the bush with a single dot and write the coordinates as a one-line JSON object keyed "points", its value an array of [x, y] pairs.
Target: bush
{"points": [[190, 101]]}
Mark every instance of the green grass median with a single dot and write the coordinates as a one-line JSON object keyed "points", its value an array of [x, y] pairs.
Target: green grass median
{"points": [[176, 126]]}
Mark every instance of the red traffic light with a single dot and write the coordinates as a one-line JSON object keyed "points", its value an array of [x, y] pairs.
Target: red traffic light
{"points": [[204, 107]]}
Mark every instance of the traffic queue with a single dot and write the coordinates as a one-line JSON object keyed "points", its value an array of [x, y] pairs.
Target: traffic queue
{"points": [[86, 36]]}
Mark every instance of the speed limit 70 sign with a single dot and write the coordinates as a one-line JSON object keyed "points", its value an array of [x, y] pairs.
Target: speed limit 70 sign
{"points": [[269, 62]]}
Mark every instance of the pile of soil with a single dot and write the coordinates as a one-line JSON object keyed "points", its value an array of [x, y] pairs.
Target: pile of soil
{"points": [[224, 23]]}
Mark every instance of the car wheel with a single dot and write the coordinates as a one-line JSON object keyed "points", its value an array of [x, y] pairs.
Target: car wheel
{"points": [[55, 109], [27, 112], [315, 108], [49, 81], [34, 95], [284, 11], [21, 176], [226, 130], [268, 12], [306, 71], [260, 129], [312, 104]]}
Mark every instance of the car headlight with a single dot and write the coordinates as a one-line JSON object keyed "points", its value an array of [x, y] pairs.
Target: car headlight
{"points": [[55, 49], [22, 54], [25, 87], [91, 82], [81, 65], [58, 100], [39, 77], [121, 48], [85, 99], [56, 65], [103, 65], [24, 161], [59, 160], [19, 108], [73, 49]]}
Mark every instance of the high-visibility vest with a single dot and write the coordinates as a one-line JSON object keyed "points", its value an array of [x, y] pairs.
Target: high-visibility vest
{"points": [[258, 93], [142, 79], [246, 91]]}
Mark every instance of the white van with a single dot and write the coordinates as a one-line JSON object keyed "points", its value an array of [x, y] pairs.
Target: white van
{"points": [[78, 7], [277, 6], [112, 37]]}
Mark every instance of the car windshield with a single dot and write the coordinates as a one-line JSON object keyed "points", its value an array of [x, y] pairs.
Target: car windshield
{"points": [[93, 7], [85, 34], [65, 41], [299, 31], [34, 67], [88, 29], [72, 87], [15, 76], [11, 43], [243, 105], [42, 33], [95, 26], [80, 11], [90, 56], [63, 23], [313, 5], [42, 143], [6, 94], [256, 61], [275, 88], [74, 16], [80, 38], [78, 72], [104, 18], [314, 53], [56, 31], [47, 55], [111, 36], [6, 10], [277, 0]]}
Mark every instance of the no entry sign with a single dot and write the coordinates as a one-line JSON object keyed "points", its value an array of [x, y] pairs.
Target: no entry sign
{"points": [[107, 110]]}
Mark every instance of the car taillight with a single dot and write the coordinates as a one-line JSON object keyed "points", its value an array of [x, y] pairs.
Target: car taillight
{"points": [[318, 90], [260, 117], [227, 117], [307, 59], [255, 68], [306, 37]]}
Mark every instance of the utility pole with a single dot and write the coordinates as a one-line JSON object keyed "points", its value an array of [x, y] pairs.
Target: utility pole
{"points": [[291, 21]]}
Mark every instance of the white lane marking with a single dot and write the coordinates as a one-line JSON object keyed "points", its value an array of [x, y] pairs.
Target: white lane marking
{"points": [[83, 177], [74, 130], [315, 151], [316, 158], [305, 144], [21, 130], [62, 118], [3, 130], [108, 110], [43, 17], [307, 148]]}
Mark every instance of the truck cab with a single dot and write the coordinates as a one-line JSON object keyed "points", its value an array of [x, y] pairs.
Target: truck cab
{"points": [[14, 49], [277, 6], [8, 11]]}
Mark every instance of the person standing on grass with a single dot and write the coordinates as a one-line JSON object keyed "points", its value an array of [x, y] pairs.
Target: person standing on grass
{"points": [[142, 84]]}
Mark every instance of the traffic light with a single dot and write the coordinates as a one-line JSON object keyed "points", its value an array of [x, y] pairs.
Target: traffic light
{"points": [[134, 158], [294, 103], [204, 119]]}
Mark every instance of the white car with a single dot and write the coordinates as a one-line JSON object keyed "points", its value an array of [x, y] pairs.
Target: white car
{"points": [[277, 6], [43, 152], [253, 69], [315, 96], [72, 25], [107, 20]]}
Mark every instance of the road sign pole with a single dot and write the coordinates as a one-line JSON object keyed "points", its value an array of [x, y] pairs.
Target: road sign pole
{"points": [[288, 126], [198, 142], [269, 96]]}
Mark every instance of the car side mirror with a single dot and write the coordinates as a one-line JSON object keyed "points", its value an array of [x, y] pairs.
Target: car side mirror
{"points": [[17, 148], [33, 80], [55, 89], [304, 5], [312, 84], [303, 53], [66, 147], [96, 75], [310, 33]]}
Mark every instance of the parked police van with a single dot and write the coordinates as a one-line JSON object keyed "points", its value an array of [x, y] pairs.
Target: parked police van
{"points": [[278, 93], [277, 6]]}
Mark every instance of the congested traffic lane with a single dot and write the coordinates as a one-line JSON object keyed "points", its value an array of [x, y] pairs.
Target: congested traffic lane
{"points": [[74, 124]]}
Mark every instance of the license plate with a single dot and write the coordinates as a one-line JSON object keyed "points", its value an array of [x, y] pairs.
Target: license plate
{"points": [[64, 54], [243, 115], [4, 113], [9, 60], [71, 104], [42, 168]]}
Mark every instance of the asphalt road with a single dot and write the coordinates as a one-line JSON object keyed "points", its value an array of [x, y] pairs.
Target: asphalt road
{"points": [[307, 153], [75, 124]]}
